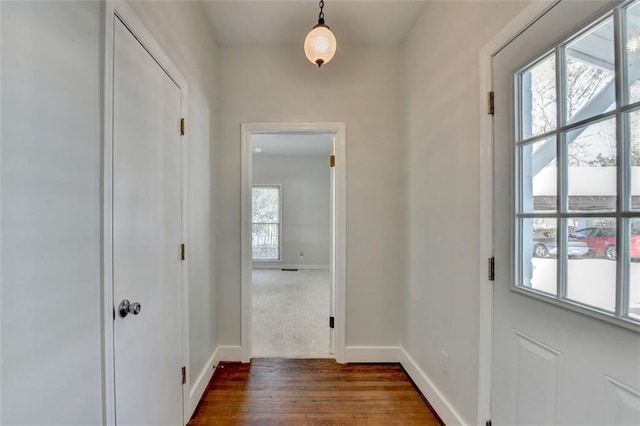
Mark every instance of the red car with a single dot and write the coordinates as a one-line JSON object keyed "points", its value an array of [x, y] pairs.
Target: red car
{"points": [[602, 242]]}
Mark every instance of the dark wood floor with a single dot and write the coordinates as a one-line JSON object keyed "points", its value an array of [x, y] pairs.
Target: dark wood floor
{"points": [[311, 392]]}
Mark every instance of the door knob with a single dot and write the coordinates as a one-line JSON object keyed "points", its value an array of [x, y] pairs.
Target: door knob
{"points": [[127, 308]]}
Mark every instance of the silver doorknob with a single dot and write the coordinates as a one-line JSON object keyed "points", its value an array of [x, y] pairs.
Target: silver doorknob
{"points": [[127, 308]]}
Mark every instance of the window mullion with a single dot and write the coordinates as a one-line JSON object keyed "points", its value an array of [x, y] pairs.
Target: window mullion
{"points": [[623, 167], [620, 36], [623, 263], [562, 169], [621, 131]]}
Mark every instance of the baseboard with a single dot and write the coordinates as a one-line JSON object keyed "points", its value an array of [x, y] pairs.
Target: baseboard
{"points": [[229, 353], [200, 385], [372, 353], [440, 404], [288, 266], [222, 353]]}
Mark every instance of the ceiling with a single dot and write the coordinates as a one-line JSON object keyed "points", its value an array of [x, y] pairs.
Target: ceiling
{"points": [[289, 21], [292, 144]]}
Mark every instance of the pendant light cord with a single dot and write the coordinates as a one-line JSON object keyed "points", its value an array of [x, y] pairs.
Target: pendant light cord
{"points": [[321, 15]]}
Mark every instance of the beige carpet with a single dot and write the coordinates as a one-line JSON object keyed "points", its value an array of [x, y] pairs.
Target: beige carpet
{"points": [[290, 313]]}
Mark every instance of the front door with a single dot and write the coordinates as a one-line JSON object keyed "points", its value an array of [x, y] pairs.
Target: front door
{"points": [[566, 341], [146, 237]]}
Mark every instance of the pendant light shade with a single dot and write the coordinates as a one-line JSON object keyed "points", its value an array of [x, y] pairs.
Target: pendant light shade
{"points": [[320, 44]]}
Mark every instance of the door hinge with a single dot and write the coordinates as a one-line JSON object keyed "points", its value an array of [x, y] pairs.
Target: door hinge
{"points": [[183, 255], [332, 322], [492, 268], [491, 103], [184, 375], [487, 423], [182, 127], [332, 161]]}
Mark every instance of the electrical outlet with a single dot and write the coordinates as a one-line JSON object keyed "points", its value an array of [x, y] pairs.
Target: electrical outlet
{"points": [[444, 361]]}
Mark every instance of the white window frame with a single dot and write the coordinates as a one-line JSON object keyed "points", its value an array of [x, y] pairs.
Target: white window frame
{"points": [[280, 255], [623, 213]]}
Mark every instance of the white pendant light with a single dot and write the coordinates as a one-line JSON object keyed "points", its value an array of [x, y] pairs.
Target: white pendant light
{"points": [[320, 44]]}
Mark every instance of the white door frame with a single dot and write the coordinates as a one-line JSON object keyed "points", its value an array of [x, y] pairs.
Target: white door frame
{"points": [[520, 23], [113, 10], [0, 226], [339, 221]]}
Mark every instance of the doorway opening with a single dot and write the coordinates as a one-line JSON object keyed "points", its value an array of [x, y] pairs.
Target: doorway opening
{"points": [[292, 239], [290, 245]]}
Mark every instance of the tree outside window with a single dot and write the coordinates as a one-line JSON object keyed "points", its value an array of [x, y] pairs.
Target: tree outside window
{"points": [[265, 218]]}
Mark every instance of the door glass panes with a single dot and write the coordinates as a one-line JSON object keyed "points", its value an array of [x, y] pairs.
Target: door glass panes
{"points": [[633, 123], [634, 269], [633, 52], [538, 176], [590, 72], [592, 160], [538, 98], [568, 169], [591, 279], [265, 227], [538, 255]]}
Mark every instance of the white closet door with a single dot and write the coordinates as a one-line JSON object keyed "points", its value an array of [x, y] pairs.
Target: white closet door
{"points": [[146, 237]]}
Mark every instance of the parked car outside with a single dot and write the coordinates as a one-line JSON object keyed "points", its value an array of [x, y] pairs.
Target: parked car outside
{"points": [[543, 243], [602, 242], [575, 248], [546, 244]]}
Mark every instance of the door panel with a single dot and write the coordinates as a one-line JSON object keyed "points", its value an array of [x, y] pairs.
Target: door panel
{"points": [[146, 236], [550, 365]]}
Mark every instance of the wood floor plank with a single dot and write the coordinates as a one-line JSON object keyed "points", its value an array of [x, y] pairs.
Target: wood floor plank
{"points": [[311, 392]]}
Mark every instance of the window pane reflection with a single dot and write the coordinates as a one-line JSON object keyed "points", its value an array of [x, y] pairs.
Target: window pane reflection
{"points": [[539, 251], [592, 280], [592, 178], [633, 52], [539, 177], [633, 121], [634, 269], [590, 73], [538, 98]]}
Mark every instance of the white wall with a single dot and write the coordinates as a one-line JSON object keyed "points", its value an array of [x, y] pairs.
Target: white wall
{"points": [[183, 32], [50, 144], [441, 89], [360, 87], [50, 197], [306, 200]]}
